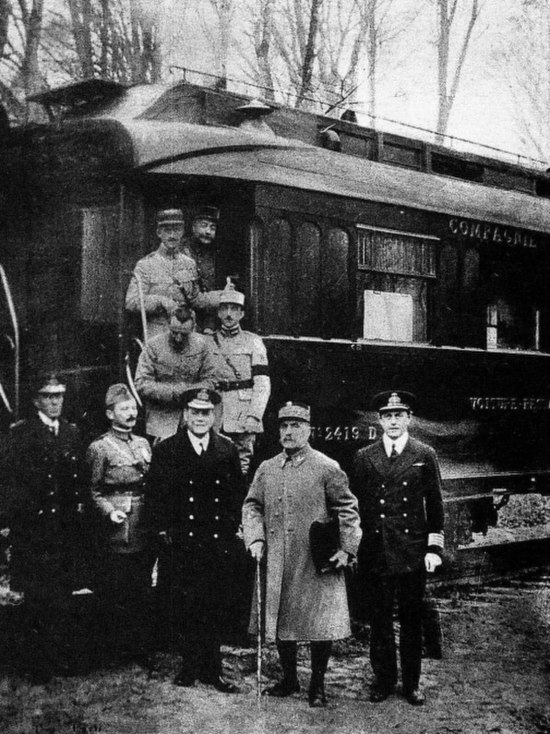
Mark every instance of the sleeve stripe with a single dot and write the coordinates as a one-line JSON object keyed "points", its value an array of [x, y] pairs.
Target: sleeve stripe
{"points": [[259, 369], [436, 539]]}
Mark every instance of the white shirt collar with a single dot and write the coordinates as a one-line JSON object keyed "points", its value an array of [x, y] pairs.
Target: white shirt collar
{"points": [[51, 423], [399, 443], [197, 442]]}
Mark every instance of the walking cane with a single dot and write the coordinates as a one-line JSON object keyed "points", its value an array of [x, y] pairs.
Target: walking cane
{"points": [[259, 634]]}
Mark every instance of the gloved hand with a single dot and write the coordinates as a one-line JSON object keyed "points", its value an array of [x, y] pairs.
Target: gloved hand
{"points": [[432, 561]]}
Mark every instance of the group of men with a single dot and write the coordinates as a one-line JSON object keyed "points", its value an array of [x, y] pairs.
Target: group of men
{"points": [[180, 497], [173, 289]]}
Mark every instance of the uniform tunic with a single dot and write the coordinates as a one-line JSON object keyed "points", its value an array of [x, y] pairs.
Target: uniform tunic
{"points": [[242, 377], [400, 504], [162, 276], [164, 373], [286, 496], [46, 515], [118, 464]]}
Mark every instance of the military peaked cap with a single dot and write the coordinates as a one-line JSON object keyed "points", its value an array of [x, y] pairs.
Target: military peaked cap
{"points": [[170, 216], [296, 411], [207, 212], [49, 384], [117, 393], [201, 397], [393, 400], [231, 295]]}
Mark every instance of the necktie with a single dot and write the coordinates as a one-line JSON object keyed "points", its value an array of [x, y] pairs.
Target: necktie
{"points": [[394, 453], [201, 448]]}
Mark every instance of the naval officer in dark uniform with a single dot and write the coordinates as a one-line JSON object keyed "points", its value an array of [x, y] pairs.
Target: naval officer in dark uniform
{"points": [[194, 499], [398, 484], [118, 462], [46, 516]]}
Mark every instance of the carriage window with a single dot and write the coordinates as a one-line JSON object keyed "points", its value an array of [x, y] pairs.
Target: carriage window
{"points": [[276, 279], [512, 326], [335, 302], [396, 273], [306, 286]]}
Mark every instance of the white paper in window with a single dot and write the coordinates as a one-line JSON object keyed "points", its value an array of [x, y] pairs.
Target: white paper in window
{"points": [[388, 316]]}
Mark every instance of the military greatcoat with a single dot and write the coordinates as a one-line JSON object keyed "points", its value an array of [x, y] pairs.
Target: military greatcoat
{"points": [[46, 514], [286, 496], [400, 505], [165, 372]]}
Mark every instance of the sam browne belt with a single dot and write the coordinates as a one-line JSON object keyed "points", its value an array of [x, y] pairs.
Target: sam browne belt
{"points": [[228, 385]]}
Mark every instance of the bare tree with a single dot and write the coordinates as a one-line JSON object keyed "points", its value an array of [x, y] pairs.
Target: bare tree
{"points": [[448, 36]]}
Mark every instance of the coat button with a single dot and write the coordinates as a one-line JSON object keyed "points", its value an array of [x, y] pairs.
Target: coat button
{"points": [[217, 517], [405, 499], [53, 509], [191, 499], [190, 481], [217, 481], [191, 534], [40, 512], [405, 484], [382, 516], [215, 535], [406, 530], [216, 499], [404, 514], [191, 517], [382, 502]]}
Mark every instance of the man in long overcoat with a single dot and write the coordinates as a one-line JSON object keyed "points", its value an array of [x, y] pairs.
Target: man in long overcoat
{"points": [[195, 494], [289, 492], [398, 484], [45, 517]]}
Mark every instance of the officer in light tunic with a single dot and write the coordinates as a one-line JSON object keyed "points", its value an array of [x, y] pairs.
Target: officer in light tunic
{"points": [[242, 376], [288, 493], [118, 462], [167, 277], [46, 520], [196, 490], [398, 484]]}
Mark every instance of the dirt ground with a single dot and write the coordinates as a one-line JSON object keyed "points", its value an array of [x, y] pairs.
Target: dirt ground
{"points": [[494, 677]]}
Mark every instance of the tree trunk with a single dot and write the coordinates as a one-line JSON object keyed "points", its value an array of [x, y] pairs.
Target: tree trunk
{"points": [[263, 47], [310, 52], [30, 73], [82, 20]]}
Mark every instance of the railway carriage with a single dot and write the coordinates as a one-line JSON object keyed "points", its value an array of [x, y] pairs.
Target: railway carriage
{"points": [[368, 260]]}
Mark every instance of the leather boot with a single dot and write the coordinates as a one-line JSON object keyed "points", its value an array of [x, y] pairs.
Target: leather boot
{"points": [[320, 654], [288, 654]]}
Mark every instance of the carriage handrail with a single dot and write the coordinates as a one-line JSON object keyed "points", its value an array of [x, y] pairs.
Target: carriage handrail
{"points": [[15, 325], [4, 399], [142, 308]]}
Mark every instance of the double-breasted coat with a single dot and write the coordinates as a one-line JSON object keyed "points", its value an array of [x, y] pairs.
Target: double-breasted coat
{"points": [[287, 494], [196, 500], [46, 511], [400, 505]]}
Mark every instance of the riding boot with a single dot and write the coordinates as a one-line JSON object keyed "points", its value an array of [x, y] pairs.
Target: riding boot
{"points": [[320, 654], [288, 654]]}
